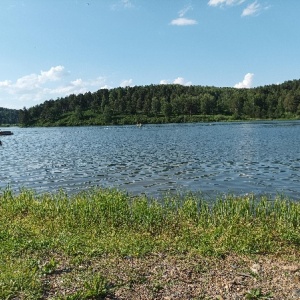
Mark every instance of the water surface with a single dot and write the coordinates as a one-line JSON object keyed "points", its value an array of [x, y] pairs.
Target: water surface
{"points": [[243, 157]]}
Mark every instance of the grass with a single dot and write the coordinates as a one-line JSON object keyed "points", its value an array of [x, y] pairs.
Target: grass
{"points": [[42, 236]]}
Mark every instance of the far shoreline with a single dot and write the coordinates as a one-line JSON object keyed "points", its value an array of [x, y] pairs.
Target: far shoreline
{"points": [[212, 120]]}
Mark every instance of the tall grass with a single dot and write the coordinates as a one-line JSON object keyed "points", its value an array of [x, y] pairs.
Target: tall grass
{"points": [[243, 224], [36, 230]]}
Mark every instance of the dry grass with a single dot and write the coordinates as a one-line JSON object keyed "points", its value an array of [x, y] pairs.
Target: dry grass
{"points": [[161, 276]]}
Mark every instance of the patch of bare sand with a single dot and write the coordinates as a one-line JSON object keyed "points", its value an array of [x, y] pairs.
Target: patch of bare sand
{"points": [[168, 277]]}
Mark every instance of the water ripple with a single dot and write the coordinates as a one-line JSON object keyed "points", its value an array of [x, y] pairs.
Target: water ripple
{"points": [[260, 157]]}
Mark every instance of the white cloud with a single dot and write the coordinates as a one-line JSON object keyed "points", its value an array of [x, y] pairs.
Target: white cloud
{"points": [[5, 83], [28, 82], [125, 83], [55, 73], [107, 87], [251, 9], [164, 81], [178, 80], [182, 81], [77, 86], [34, 81], [224, 2], [183, 22], [77, 82], [184, 11], [32, 89], [246, 83]]}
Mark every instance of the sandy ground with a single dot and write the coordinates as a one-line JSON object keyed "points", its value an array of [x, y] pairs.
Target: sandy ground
{"points": [[169, 277]]}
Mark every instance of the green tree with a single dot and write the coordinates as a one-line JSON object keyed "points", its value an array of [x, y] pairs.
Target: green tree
{"points": [[24, 117], [107, 115], [155, 106], [78, 113], [167, 109], [207, 104], [291, 102]]}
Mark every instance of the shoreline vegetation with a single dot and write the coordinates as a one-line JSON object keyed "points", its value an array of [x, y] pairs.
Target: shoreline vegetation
{"points": [[105, 244], [161, 121], [161, 104], [156, 121]]}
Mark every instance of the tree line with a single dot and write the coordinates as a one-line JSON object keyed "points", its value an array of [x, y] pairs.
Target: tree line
{"points": [[165, 104], [8, 116]]}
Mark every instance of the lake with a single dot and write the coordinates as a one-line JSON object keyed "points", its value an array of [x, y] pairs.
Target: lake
{"points": [[213, 158]]}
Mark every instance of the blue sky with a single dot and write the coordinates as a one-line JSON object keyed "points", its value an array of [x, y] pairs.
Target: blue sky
{"points": [[53, 48]]}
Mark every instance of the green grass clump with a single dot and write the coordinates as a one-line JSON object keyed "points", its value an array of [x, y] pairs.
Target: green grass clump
{"points": [[40, 234]]}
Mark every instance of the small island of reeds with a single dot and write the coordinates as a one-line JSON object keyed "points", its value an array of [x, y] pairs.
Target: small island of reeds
{"points": [[105, 244]]}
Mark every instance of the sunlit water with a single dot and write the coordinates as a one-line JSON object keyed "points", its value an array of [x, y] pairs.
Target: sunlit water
{"points": [[259, 157]]}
